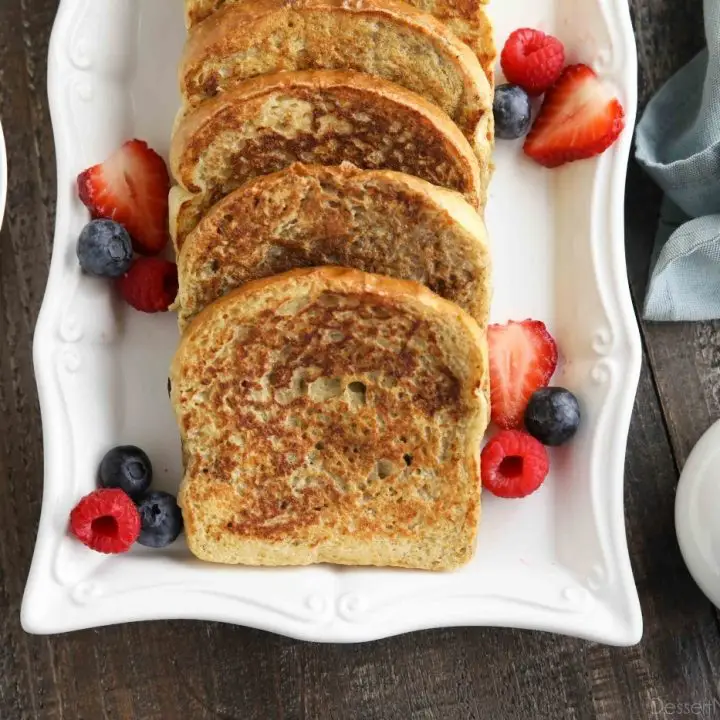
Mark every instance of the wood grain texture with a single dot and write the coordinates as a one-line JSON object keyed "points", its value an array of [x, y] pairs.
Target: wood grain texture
{"points": [[192, 670]]}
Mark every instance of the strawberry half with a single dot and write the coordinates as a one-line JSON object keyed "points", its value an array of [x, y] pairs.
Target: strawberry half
{"points": [[523, 358], [131, 187], [580, 118]]}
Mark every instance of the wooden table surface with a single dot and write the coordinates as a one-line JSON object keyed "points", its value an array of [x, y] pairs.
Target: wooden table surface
{"points": [[189, 670]]}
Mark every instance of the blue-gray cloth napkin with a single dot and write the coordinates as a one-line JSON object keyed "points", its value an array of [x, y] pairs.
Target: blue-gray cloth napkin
{"points": [[678, 144]]}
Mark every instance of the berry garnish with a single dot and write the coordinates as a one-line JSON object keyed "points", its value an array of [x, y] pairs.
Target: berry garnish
{"points": [[106, 520], [552, 415], [131, 187], [511, 108], [513, 464], [532, 60], [523, 357], [126, 467], [150, 285], [579, 119], [104, 248], [161, 519]]}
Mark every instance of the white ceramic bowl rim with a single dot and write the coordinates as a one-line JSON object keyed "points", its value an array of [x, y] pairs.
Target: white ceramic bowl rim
{"points": [[3, 175]]}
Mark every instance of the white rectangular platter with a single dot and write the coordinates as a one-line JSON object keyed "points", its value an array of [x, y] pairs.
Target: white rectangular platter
{"points": [[556, 561]]}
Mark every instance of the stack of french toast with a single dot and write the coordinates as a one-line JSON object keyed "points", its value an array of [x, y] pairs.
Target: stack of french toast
{"points": [[331, 161]]}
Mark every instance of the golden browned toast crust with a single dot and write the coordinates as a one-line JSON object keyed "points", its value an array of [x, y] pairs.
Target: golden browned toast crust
{"points": [[386, 38], [376, 221], [324, 117], [466, 18], [328, 415]]}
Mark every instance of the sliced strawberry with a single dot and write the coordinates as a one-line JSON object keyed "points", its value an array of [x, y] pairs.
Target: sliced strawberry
{"points": [[523, 358], [580, 118], [131, 187]]}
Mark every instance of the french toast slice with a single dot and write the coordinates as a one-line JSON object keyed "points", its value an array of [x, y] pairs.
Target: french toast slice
{"points": [[385, 38], [329, 415], [378, 221], [324, 117], [468, 20]]}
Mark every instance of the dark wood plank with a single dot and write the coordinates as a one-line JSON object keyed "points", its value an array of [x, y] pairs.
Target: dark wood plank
{"points": [[691, 399], [28, 689], [684, 357], [203, 670], [668, 34]]}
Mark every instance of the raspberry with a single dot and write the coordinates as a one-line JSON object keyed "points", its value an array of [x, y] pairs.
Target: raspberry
{"points": [[532, 60], [513, 464], [106, 520], [150, 285]]}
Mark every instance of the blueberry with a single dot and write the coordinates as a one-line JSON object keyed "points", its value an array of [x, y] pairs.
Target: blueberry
{"points": [[552, 415], [511, 108], [126, 467], [104, 248], [161, 519]]}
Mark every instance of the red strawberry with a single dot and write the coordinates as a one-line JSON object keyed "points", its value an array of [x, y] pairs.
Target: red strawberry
{"points": [[523, 357], [106, 520], [580, 118], [150, 285], [532, 60], [513, 464], [131, 187]]}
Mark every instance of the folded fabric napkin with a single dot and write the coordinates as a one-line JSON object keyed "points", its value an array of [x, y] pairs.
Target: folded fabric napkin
{"points": [[678, 144]]}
